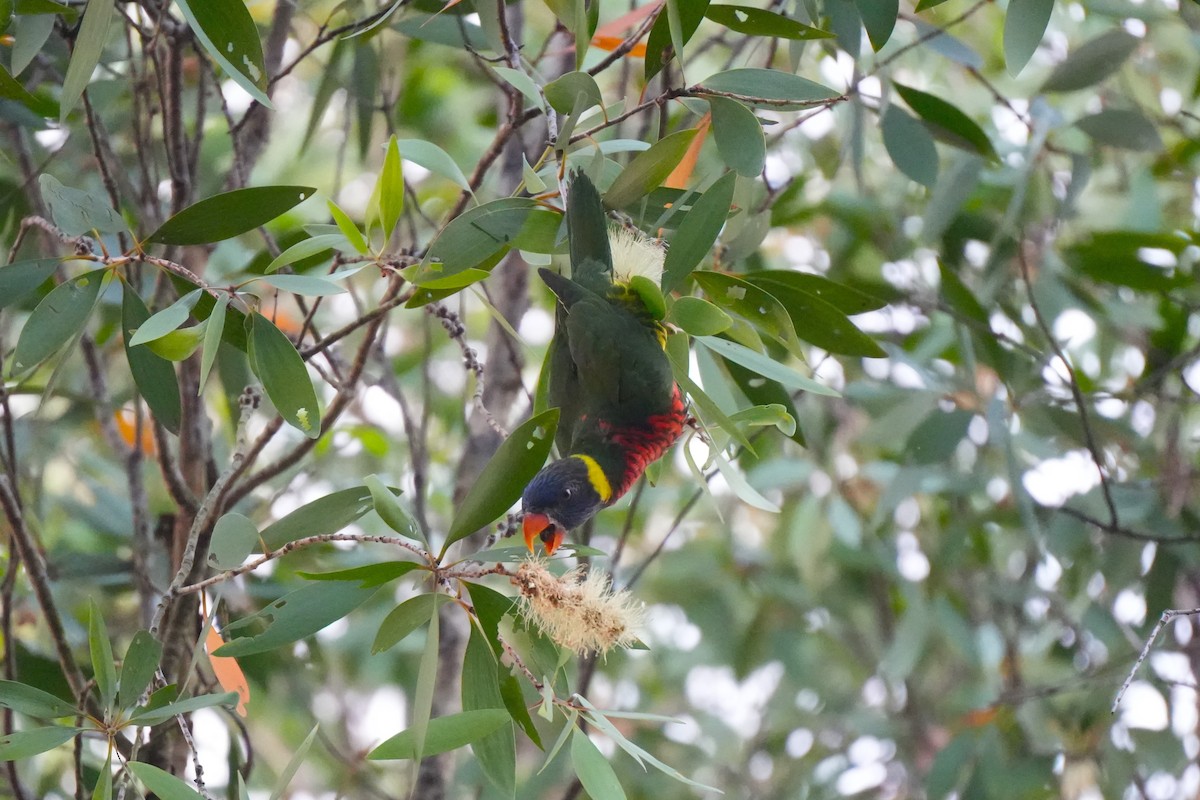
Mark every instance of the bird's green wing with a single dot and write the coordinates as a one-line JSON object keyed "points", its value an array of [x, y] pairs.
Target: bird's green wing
{"points": [[587, 233]]}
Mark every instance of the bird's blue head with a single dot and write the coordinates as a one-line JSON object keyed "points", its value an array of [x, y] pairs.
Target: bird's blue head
{"points": [[563, 496]]}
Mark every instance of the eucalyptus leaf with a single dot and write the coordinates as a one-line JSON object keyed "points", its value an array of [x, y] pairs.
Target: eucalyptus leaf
{"points": [[57, 319]]}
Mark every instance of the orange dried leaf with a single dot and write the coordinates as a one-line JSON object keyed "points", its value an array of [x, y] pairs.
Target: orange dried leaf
{"points": [[611, 43], [682, 174], [126, 422], [227, 671], [980, 717]]}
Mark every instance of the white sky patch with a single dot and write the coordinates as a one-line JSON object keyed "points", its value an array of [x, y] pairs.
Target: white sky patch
{"points": [[1047, 573], [1055, 480], [537, 327], [859, 779], [211, 735], [669, 625], [356, 194], [799, 742], [1129, 607], [1008, 125], [738, 705], [1143, 707], [377, 716], [53, 139], [237, 98], [1074, 328], [911, 562], [381, 410]]}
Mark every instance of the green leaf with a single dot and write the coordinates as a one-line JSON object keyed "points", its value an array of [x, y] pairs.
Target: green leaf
{"points": [[910, 145], [754, 304], [154, 713], [522, 83], [765, 365], [667, 36], [394, 515], [708, 411], [500, 484], [443, 734], [367, 575], [11, 89], [1123, 128], [698, 317], [935, 439], [406, 618], [77, 212], [234, 537], [141, 661], [19, 279], [697, 231], [844, 298], [325, 515], [434, 159], [947, 122], [759, 22], [89, 44], [167, 320], [104, 671], [770, 88], [1092, 62], [179, 345], [348, 228], [474, 237], [565, 91], [296, 615], [739, 136], [306, 285], [496, 752], [278, 365], [879, 18], [227, 31], [23, 744], [821, 323], [1121, 258], [306, 248], [426, 684], [648, 169], [162, 783], [1024, 25], [293, 765], [104, 783], [214, 327], [153, 375], [391, 188], [33, 702], [593, 769], [224, 216]]}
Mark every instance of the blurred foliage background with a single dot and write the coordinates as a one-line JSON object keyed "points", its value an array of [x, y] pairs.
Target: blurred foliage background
{"points": [[933, 586]]}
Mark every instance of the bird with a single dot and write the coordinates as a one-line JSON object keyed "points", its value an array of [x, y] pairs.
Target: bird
{"points": [[619, 406]]}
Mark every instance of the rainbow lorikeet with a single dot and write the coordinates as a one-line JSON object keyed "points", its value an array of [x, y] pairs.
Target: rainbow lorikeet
{"points": [[609, 376]]}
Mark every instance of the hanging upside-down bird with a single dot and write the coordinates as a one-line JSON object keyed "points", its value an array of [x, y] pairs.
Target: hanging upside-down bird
{"points": [[609, 376]]}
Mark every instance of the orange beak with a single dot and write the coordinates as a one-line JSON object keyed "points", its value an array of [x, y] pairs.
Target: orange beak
{"points": [[540, 526]]}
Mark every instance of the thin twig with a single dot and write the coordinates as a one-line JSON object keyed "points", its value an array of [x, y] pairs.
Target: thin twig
{"points": [[1167, 616]]}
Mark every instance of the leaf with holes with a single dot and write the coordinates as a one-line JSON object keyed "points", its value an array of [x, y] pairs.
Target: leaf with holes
{"points": [[279, 366], [227, 32], [295, 616], [769, 88]]}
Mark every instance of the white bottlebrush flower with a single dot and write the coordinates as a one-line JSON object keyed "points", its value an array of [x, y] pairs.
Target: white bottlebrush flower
{"points": [[634, 253], [578, 611]]}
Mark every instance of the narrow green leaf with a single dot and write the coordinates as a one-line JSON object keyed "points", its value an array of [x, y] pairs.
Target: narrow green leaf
{"points": [[234, 537], [820, 322], [154, 376], [474, 237], [426, 685], [33, 702], [348, 228], [879, 18], [141, 661], [563, 735], [103, 668], [443, 734], [845, 299], [31, 32], [224, 216], [698, 317], [739, 136], [697, 231], [295, 616], [759, 22], [367, 575], [522, 83], [648, 169], [293, 765], [708, 411], [947, 122], [391, 188], [1123, 128], [593, 769], [214, 327], [325, 515], [24, 744], [935, 439], [765, 365], [162, 783], [394, 515], [1024, 25], [764, 392], [89, 44], [227, 31], [496, 752], [179, 345], [306, 285], [77, 212], [19, 279], [666, 36], [155, 713], [769, 88], [167, 320], [563, 92], [11, 89], [279, 366], [490, 609], [753, 303], [910, 145], [406, 618], [500, 484], [1092, 62], [306, 248], [434, 159], [104, 783]]}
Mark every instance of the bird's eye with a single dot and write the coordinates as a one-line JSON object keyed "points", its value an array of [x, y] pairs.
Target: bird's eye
{"points": [[567, 493]]}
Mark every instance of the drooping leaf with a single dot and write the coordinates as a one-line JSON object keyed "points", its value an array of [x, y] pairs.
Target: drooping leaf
{"points": [[443, 734], [406, 618], [77, 212], [820, 322], [234, 537], [1024, 25], [1120, 127], [325, 515], [765, 366], [760, 22], [296, 615], [648, 169], [179, 345], [162, 783], [293, 765], [104, 783], [224, 216], [167, 320], [89, 44], [697, 231], [753, 303], [100, 647], [227, 32], [522, 83], [947, 122], [769, 88], [426, 684], [845, 299], [433, 158], [698, 317], [391, 188], [154, 713], [708, 411], [153, 375], [739, 136], [910, 146], [1092, 62], [279, 366], [504, 477], [19, 279], [667, 36], [137, 670], [563, 92], [879, 18], [214, 327], [594, 771], [24, 744], [11, 89], [394, 515], [496, 752], [57, 319], [473, 238], [33, 702]]}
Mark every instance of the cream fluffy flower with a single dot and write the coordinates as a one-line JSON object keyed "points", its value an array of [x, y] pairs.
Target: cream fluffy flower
{"points": [[578, 611], [634, 253]]}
